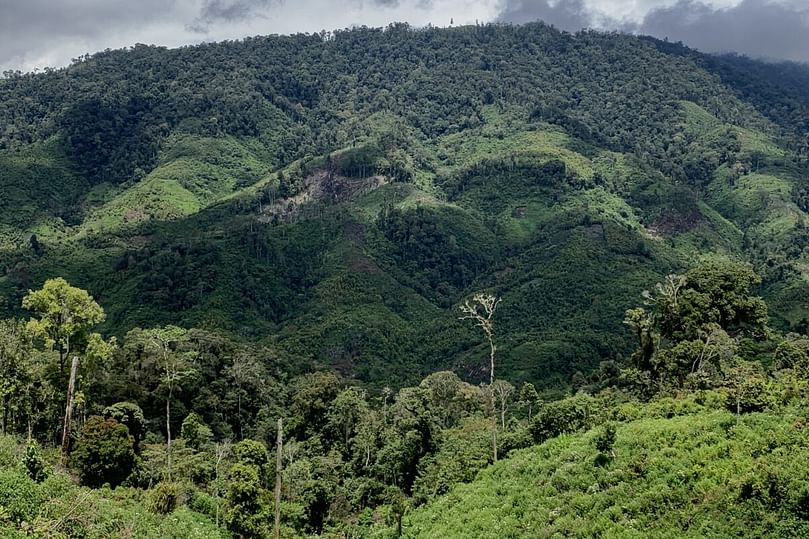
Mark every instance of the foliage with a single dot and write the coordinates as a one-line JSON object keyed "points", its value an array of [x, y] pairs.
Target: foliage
{"points": [[34, 463], [163, 497], [294, 240], [131, 416], [564, 416], [65, 314], [246, 518], [104, 452], [688, 476], [195, 432]]}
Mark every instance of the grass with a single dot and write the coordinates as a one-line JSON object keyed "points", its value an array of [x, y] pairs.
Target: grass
{"points": [[702, 475]]}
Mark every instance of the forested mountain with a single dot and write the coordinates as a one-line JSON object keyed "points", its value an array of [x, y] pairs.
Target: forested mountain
{"points": [[282, 226], [291, 187]]}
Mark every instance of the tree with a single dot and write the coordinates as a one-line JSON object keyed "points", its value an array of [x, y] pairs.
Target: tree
{"points": [[246, 513], [195, 432], [451, 398], [34, 463], [695, 320], [104, 452], [481, 311], [247, 507], [169, 348], [65, 314], [502, 390], [222, 450], [528, 397], [345, 412], [312, 397], [245, 371], [15, 354], [131, 416]]}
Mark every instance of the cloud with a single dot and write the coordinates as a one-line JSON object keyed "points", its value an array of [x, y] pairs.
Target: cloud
{"points": [[228, 11], [231, 10], [773, 29], [213, 11], [570, 15], [760, 28], [39, 33]]}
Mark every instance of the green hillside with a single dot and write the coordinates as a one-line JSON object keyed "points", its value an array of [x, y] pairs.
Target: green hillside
{"points": [[373, 178], [702, 474], [494, 281]]}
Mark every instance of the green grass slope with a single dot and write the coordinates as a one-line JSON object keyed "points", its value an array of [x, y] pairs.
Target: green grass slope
{"points": [[707, 474]]}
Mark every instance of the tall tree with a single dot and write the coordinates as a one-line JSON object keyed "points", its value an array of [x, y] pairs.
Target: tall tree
{"points": [[481, 311], [65, 314], [170, 349]]}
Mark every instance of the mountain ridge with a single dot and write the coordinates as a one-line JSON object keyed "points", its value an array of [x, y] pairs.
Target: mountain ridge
{"points": [[505, 156]]}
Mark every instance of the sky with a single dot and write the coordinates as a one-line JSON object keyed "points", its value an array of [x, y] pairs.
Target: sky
{"points": [[49, 33]]}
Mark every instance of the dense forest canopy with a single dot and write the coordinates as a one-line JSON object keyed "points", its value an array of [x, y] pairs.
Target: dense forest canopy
{"points": [[198, 242], [287, 187]]}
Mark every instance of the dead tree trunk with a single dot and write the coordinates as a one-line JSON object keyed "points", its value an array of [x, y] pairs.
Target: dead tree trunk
{"points": [[71, 389]]}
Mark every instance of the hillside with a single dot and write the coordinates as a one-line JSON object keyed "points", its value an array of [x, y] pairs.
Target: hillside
{"points": [[486, 281], [295, 189], [703, 474]]}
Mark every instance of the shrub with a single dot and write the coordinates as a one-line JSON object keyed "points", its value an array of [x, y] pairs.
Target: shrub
{"points": [[34, 463], [9, 451], [19, 496], [130, 415], [163, 499], [104, 453], [567, 415]]}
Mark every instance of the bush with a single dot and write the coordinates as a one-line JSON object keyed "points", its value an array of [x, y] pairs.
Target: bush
{"points": [[104, 453], [163, 499], [564, 416], [34, 463], [9, 451], [19, 496], [130, 415]]}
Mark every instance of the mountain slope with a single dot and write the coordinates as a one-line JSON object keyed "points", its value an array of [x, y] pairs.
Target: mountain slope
{"points": [[336, 195], [708, 474]]}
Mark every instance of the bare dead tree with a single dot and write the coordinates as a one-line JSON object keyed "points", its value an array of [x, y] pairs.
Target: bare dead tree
{"points": [[481, 311]]}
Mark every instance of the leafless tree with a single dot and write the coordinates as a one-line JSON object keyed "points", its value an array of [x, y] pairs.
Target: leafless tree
{"points": [[481, 311]]}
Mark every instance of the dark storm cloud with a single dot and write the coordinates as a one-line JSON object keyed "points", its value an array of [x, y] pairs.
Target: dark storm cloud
{"points": [[213, 11], [755, 27], [570, 15], [775, 29]]}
